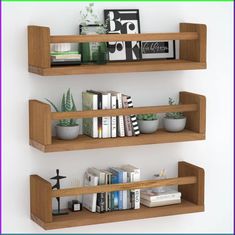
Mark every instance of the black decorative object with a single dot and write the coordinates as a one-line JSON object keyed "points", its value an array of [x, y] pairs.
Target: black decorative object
{"points": [[158, 49], [57, 186], [123, 22], [75, 205]]}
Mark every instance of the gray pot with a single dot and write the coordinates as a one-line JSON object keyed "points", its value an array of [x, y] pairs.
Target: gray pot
{"points": [[67, 132], [174, 125], [148, 126]]}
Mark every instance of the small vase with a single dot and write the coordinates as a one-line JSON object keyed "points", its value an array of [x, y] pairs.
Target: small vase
{"points": [[67, 132], [174, 125], [148, 126], [100, 56]]}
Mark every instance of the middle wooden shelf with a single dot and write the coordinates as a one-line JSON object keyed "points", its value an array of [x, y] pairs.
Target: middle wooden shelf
{"points": [[40, 118]]}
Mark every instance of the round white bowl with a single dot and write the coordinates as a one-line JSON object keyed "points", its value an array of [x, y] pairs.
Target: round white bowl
{"points": [[148, 126], [67, 132], [174, 125]]}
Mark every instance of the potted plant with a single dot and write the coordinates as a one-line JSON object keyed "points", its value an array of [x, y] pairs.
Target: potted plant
{"points": [[66, 129], [91, 24], [175, 121], [148, 123]]}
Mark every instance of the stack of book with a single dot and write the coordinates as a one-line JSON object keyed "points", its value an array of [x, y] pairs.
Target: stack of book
{"points": [[150, 198], [65, 58], [108, 127], [111, 201]]}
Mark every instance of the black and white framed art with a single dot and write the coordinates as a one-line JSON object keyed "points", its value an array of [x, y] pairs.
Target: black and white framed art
{"points": [[123, 22], [158, 49]]}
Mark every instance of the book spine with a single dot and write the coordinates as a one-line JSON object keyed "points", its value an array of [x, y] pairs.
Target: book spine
{"points": [[106, 127], [127, 119], [121, 130], [161, 197], [100, 118], [120, 193], [113, 118], [124, 192], [135, 126], [95, 119], [137, 191], [114, 202]]}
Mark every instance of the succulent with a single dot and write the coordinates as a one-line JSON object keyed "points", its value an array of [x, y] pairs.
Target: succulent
{"points": [[89, 17], [147, 117], [174, 115], [67, 105]]}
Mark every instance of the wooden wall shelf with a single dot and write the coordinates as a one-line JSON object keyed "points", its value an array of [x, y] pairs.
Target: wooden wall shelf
{"points": [[192, 51], [40, 118], [191, 185]]}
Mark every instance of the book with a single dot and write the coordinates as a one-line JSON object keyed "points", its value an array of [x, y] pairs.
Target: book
{"points": [[160, 203], [89, 200], [113, 118], [127, 119], [106, 121], [114, 195], [123, 179], [120, 119], [133, 175], [55, 53], [63, 63], [108, 196], [100, 204], [155, 196], [99, 105], [90, 125], [135, 126]]}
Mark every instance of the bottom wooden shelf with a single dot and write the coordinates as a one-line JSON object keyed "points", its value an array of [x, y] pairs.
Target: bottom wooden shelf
{"points": [[85, 142], [86, 217]]}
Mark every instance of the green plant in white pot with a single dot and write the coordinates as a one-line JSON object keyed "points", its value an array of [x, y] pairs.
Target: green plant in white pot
{"points": [[148, 123], [174, 121], [66, 129]]}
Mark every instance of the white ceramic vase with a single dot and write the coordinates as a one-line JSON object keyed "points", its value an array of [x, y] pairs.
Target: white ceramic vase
{"points": [[174, 125], [148, 126], [67, 132]]}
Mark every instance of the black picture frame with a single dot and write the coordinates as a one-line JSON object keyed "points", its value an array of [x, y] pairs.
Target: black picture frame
{"points": [[156, 50], [122, 21]]}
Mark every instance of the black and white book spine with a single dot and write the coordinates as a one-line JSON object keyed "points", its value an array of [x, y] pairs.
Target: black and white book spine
{"points": [[121, 129], [106, 121], [127, 119], [135, 126], [113, 118]]}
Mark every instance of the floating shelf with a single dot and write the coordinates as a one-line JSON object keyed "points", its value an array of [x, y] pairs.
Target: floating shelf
{"points": [[40, 118], [191, 185], [192, 51]]}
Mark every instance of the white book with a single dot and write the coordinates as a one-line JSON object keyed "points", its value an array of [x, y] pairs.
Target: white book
{"points": [[134, 175], [90, 125], [108, 195], [113, 118], [106, 121], [159, 196], [89, 200], [120, 126], [160, 203]]}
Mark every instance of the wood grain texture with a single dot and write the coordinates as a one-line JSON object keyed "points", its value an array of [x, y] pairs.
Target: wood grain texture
{"points": [[39, 122], [86, 217], [39, 46], [119, 67], [196, 121], [40, 198], [125, 186], [124, 111], [194, 50], [194, 192], [86, 142], [124, 37]]}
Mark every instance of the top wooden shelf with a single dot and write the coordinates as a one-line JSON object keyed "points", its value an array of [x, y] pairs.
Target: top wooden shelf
{"points": [[192, 51]]}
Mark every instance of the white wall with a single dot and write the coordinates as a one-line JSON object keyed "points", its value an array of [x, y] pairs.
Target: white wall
{"points": [[153, 88]]}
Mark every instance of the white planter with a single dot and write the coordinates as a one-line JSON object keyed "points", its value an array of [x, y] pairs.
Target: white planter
{"points": [[147, 127], [67, 132], [174, 125]]}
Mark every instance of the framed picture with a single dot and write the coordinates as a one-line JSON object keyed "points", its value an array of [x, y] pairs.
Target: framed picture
{"points": [[158, 49], [123, 22]]}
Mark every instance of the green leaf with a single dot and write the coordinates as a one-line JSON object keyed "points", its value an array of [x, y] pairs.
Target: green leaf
{"points": [[53, 105]]}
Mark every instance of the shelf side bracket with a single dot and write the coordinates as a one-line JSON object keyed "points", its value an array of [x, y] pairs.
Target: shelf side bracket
{"points": [[192, 192], [196, 121], [39, 46], [193, 50], [40, 199], [40, 122]]}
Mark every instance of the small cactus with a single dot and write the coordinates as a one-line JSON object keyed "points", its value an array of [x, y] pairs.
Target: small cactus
{"points": [[174, 115], [147, 117]]}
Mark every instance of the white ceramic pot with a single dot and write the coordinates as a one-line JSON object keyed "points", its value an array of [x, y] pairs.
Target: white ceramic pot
{"points": [[67, 132], [174, 125], [148, 126]]}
